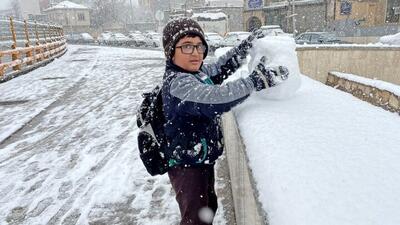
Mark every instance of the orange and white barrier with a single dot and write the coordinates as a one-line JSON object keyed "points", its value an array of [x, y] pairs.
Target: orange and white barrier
{"points": [[49, 45]]}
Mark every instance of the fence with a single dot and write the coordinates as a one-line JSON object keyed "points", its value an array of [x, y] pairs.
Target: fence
{"points": [[26, 45]]}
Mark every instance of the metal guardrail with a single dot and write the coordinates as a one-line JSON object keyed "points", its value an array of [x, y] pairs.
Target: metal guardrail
{"points": [[24, 44]]}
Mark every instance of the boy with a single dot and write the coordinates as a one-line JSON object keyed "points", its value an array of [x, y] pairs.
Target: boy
{"points": [[194, 98]]}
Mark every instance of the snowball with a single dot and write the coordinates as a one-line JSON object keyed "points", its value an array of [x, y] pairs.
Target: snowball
{"points": [[206, 215], [279, 51]]}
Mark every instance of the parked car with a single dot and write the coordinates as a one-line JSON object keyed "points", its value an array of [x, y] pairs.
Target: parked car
{"points": [[119, 39], [213, 40], [103, 38], [390, 39], [319, 38], [139, 40], [272, 30], [234, 38], [80, 38], [87, 38], [156, 38]]}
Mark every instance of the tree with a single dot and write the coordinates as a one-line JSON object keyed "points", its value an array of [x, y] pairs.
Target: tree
{"points": [[109, 12], [16, 9]]}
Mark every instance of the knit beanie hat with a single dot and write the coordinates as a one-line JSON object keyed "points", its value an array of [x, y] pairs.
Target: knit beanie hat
{"points": [[177, 29]]}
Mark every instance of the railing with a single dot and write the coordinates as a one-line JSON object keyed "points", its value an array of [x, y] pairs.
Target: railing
{"points": [[25, 45]]}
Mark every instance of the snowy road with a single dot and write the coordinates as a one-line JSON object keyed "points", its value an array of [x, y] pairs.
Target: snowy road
{"points": [[72, 158]]}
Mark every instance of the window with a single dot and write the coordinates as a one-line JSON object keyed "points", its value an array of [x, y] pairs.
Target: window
{"points": [[396, 10], [305, 37], [315, 38], [81, 16], [345, 7], [393, 11]]}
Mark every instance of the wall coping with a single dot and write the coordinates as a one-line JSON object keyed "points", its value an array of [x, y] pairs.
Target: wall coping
{"points": [[348, 47], [247, 207]]}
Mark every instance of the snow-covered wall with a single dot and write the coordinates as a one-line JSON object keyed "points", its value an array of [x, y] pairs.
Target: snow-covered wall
{"points": [[376, 92]]}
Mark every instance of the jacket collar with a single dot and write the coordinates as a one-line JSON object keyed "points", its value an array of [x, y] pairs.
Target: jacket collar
{"points": [[171, 66]]}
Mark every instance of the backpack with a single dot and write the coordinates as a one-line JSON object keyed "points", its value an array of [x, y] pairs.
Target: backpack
{"points": [[151, 138]]}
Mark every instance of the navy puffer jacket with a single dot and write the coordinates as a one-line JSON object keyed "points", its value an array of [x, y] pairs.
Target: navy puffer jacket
{"points": [[193, 103]]}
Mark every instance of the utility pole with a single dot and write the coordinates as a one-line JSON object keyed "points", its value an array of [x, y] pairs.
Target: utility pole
{"points": [[185, 8], [130, 1], [292, 15], [294, 19]]}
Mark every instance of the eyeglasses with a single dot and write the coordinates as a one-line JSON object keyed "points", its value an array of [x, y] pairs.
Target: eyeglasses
{"points": [[189, 49]]}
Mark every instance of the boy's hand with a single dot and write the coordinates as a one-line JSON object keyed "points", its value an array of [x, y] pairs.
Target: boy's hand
{"points": [[265, 77], [246, 44]]}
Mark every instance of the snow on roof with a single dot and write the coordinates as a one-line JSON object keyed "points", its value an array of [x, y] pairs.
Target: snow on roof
{"points": [[281, 4], [210, 16], [67, 5], [271, 26]]}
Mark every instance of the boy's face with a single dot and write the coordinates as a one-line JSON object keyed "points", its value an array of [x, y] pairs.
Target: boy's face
{"points": [[190, 62]]}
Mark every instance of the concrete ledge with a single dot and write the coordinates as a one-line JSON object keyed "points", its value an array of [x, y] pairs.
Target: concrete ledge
{"points": [[247, 208], [378, 97]]}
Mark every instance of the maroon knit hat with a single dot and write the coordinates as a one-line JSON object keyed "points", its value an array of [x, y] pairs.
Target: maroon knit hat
{"points": [[177, 29]]}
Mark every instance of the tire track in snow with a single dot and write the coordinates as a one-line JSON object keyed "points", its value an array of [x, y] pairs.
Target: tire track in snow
{"points": [[4, 141], [85, 180], [44, 139]]}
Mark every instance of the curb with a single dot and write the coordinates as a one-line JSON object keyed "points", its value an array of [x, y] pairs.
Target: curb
{"points": [[247, 208]]}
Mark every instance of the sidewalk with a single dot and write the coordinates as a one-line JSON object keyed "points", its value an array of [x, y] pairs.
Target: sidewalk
{"points": [[72, 156]]}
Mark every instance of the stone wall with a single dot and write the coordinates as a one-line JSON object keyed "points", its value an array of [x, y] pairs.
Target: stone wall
{"points": [[382, 98]]}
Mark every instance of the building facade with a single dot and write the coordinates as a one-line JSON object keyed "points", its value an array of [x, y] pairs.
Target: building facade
{"points": [[366, 18], [225, 3], [322, 15], [185, 4], [281, 12], [73, 17], [213, 22], [253, 14], [234, 14], [164, 5], [366, 13], [393, 11]]}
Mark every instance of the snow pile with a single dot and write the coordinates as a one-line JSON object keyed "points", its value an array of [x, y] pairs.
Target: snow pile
{"points": [[279, 51], [86, 36], [210, 16], [390, 39], [323, 157]]}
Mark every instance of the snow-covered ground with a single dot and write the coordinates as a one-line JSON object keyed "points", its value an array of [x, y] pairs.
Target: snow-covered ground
{"points": [[390, 39], [319, 157], [73, 157]]}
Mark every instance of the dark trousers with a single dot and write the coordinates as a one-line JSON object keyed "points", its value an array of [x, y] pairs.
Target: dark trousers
{"points": [[194, 188]]}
